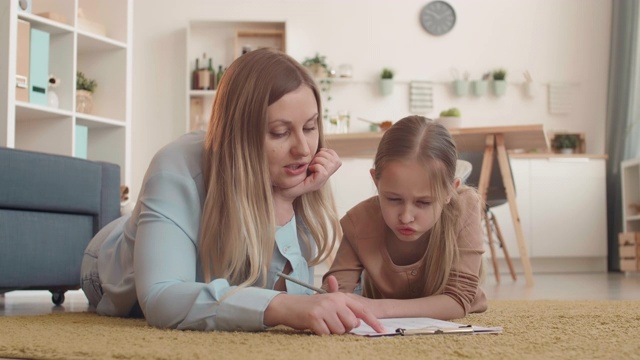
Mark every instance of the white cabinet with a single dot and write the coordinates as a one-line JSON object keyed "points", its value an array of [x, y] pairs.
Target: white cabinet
{"points": [[223, 41], [630, 177], [97, 44], [562, 205]]}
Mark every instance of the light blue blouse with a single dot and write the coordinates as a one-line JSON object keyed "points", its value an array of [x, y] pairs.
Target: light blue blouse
{"points": [[163, 273]]}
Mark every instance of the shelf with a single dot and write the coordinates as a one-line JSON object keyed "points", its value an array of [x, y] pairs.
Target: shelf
{"points": [[632, 218], [89, 43], [92, 121], [44, 24], [202, 93], [38, 112]]}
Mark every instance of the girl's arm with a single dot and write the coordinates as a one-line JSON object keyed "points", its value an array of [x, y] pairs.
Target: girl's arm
{"points": [[346, 268]]}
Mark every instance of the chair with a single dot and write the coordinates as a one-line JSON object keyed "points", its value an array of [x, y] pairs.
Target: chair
{"points": [[496, 195], [50, 208]]}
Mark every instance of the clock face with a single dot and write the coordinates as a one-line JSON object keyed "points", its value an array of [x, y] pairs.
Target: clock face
{"points": [[438, 17]]}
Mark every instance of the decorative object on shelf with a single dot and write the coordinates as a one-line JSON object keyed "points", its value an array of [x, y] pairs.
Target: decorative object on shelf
{"points": [[460, 84], [499, 82], [386, 81], [480, 86], [88, 25], [528, 87], [377, 126], [54, 16], [84, 93], [317, 66], [52, 96], [560, 98], [565, 143], [420, 97], [438, 17], [450, 118], [24, 5], [345, 71]]}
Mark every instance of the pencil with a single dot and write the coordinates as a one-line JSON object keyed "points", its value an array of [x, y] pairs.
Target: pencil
{"points": [[301, 283]]}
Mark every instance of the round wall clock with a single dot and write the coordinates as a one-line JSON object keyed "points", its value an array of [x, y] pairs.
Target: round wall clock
{"points": [[438, 17]]}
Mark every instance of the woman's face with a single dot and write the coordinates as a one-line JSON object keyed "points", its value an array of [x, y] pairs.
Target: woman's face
{"points": [[292, 137], [408, 206]]}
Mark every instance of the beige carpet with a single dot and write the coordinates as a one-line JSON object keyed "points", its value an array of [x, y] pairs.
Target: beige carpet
{"points": [[532, 330]]}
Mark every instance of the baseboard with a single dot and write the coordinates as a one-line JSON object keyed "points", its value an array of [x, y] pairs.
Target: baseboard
{"points": [[552, 265]]}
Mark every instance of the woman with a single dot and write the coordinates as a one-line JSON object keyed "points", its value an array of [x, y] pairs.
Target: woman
{"points": [[220, 214]]}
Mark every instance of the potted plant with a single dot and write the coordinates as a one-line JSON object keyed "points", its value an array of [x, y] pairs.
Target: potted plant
{"points": [[317, 66], [480, 86], [499, 82], [386, 81], [566, 143], [84, 93], [450, 118]]}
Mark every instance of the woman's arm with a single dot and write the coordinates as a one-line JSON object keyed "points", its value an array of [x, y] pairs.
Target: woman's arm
{"points": [[165, 265]]}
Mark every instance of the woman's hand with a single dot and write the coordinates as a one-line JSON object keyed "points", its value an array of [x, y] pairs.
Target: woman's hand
{"points": [[324, 164], [333, 313]]}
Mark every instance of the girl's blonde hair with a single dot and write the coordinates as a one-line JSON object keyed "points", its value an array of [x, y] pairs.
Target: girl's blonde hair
{"points": [[423, 140], [237, 230]]}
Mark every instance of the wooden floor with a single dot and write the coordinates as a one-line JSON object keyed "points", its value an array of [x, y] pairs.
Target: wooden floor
{"points": [[583, 286]]}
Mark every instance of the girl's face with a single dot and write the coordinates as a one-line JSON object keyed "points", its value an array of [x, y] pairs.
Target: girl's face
{"points": [[292, 137], [408, 206]]}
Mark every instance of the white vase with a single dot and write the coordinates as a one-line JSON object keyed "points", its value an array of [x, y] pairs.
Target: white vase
{"points": [[52, 99], [386, 86]]}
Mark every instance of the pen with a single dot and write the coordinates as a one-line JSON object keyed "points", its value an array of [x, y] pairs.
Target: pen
{"points": [[301, 283]]}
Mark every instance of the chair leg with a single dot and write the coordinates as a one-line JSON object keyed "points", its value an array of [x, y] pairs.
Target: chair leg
{"points": [[493, 250], [494, 220]]}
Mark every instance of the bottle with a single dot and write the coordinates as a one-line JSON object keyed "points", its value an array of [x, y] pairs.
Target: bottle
{"points": [[212, 75], [219, 75], [203, 75], [194, 77]]}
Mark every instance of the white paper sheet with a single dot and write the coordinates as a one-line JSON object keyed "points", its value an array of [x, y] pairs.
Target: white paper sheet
{"points": [[392, 324]]}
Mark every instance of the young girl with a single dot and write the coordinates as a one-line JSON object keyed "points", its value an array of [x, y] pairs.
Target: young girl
{"points": [[415, 248], [220, 214]]}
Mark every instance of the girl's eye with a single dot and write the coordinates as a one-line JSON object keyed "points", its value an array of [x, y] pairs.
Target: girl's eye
{"points": [[309, 129], [394, 199], [424, 203]]}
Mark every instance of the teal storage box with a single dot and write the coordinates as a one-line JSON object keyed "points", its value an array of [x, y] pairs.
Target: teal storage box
{"points": [[39, 67], [82, 138]]}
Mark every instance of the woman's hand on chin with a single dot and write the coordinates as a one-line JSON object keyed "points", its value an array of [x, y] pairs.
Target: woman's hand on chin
{"points": [[324, 164]]}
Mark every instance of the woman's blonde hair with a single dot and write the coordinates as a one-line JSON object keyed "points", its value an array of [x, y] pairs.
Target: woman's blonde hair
{"points": [[423, 140], [237, 230]]}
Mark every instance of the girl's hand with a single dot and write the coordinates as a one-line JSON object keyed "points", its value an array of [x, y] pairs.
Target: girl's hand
{"points": [[333, 313], [324, 164]]}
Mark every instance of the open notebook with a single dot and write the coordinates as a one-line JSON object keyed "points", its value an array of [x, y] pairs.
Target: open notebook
{"points": [[422, 326]]}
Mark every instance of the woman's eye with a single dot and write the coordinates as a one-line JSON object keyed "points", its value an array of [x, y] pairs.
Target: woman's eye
{"points": [[309, 129], [278, 134], [394, 199], [424, 203]]}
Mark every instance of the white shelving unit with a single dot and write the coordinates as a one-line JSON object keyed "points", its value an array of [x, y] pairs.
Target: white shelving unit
{"points": [[223, 41], [630, 177], [105, 57]]}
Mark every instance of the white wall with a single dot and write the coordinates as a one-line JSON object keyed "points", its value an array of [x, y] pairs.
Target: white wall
{"points": [[556, 40]]}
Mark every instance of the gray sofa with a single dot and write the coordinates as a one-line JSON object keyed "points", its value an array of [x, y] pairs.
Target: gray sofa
{"points": [[50, 208]]}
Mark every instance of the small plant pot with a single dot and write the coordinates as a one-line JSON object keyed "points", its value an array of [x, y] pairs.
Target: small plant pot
{"points": [[461, 87], [450, 122], [480, 87], [386, 87], [499, 87], [317, 71], [566, 151], [84, 101], [529, 89]]}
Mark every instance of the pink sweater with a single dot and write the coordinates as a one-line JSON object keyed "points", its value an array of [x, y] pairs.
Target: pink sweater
{"points": [[363, 247]]}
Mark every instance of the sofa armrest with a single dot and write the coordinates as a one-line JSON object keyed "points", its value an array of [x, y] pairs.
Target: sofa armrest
{"points": [[35, 181]]}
